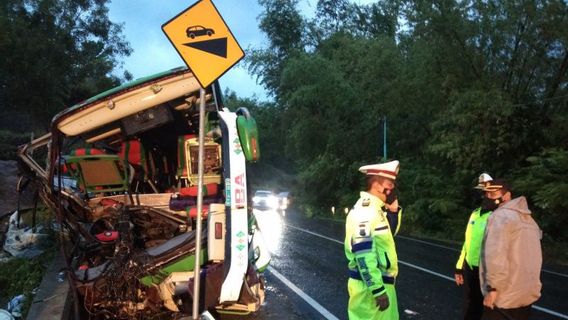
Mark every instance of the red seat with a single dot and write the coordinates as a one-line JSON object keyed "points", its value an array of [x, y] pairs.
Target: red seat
{"points": [[210, 189], [133, 152]]}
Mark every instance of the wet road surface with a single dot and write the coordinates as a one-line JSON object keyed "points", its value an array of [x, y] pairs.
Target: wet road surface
{"points": [[307, 278]]}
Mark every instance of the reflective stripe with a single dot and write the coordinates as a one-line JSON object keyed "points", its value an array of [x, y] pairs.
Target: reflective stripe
{"points": [[389, 280], [360, 240], [358, 247], [354, 274], [374, 292]]}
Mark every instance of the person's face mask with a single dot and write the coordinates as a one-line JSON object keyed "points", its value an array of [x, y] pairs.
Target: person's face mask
{"points": [[491, 204], [391, 193]]}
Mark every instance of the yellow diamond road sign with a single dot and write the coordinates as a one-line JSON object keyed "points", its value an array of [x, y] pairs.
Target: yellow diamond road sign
{"points": [[203, 41]]}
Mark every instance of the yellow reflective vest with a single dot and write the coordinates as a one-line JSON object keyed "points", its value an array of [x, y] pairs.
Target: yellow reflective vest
{"points": [[474, 232], [369, 244]]}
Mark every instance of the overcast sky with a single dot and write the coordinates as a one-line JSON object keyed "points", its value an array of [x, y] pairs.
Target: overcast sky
{"points": [[153, 52]]}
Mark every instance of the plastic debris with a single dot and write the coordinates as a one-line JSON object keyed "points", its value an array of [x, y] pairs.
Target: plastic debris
{"points": [[15, 305], [23, 242], [61, 276], [410, 312], [5, 315]]}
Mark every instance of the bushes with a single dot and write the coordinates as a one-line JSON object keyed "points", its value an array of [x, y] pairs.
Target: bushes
{"points": [[9, 142]]}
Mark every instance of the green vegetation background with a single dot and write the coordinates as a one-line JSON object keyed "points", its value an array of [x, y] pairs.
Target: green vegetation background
{"points": [[466, 87]]}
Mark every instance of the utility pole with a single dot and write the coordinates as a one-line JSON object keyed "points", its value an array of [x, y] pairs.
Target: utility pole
{"points": [[385, 138]]}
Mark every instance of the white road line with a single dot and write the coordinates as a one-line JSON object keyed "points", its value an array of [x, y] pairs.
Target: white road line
{"points": [[429, 243], [554, 313], [555, 273], [313, 233], [426, 270], [323, 311], [457, 250], [545, 310]]}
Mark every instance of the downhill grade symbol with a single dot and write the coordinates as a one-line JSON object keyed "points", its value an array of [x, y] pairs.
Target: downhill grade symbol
{"points": [[204, 42]]}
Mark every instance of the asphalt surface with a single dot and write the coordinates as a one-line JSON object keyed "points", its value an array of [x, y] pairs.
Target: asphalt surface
{"points": [[308, 279]]}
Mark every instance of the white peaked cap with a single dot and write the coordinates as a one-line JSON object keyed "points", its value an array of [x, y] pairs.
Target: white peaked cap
{"points": [[387, 170], [482, 180]]}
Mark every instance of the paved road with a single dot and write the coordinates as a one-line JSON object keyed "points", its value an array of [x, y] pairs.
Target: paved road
{"points": [[307, 278]]}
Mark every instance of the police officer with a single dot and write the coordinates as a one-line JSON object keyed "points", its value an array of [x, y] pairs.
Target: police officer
{"points": [[370, 248], [467, 267]]}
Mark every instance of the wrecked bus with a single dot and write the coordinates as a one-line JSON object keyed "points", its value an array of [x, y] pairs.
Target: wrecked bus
{"points": [[120, 172]]}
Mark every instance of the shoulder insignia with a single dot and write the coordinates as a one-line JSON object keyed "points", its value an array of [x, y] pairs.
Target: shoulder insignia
{"points": [[366, 202]]}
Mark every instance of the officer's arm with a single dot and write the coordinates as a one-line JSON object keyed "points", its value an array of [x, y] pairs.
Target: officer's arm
{"points": [[394, 219], [461, 260], [366, 258]]}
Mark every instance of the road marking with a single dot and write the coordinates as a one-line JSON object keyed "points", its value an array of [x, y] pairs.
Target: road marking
{"points": [[426, 270], [313, 233], [457, 250], [429, 243], [545, 310], [323, 311]]}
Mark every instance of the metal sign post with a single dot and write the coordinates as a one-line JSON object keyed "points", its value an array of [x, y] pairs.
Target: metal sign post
{"points": [[197, 265], [207, 46]]}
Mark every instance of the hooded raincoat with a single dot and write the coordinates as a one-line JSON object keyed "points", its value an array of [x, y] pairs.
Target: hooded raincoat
{"points": [[511, 257]]}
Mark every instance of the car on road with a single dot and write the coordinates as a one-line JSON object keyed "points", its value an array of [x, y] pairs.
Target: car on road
{"points": [[283, 200], [265, 199], [198, 31]]}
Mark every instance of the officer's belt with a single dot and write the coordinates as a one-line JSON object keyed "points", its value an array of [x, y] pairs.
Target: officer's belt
{"points": [[354, 274]]}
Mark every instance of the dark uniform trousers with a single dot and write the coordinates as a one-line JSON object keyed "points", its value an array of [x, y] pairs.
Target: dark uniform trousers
{"points": [[473, 302], [522, 313]]}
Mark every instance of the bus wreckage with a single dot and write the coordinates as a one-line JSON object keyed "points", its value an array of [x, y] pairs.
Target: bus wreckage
{"points": [[120, 172]]}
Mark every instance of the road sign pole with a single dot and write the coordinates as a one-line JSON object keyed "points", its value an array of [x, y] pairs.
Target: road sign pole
{"points": [[197, 267], [385, 138]]}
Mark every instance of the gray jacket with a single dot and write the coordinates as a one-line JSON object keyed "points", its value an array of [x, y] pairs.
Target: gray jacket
{"points": [[511, 257]]}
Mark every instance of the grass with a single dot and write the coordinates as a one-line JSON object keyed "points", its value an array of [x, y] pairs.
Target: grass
{"points": [[22, 276]]}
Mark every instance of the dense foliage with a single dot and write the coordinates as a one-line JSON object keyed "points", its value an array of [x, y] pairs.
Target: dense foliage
{"points": [[54, 53], [465, 86]]}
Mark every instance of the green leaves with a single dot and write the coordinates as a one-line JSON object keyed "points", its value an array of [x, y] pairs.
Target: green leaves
{"points": [[54, 54], [466, 87]]}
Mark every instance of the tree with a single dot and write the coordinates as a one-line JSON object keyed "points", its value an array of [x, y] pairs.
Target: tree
{"points": [[284, 27], [55, 53], [466, 86]]}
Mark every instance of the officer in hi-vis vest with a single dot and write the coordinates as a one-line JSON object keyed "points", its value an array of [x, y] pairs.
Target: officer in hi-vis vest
{"points": [[369, 246], [467, 267]]}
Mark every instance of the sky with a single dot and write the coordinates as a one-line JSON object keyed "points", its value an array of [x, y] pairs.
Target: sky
{"points": [[142, 20]]}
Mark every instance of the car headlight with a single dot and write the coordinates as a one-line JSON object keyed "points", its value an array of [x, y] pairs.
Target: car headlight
{"points": [[273, 202]]}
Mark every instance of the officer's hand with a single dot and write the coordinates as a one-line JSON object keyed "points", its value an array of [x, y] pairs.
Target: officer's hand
{"points": [[393, 207], [459, 279], [382, 302]]}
